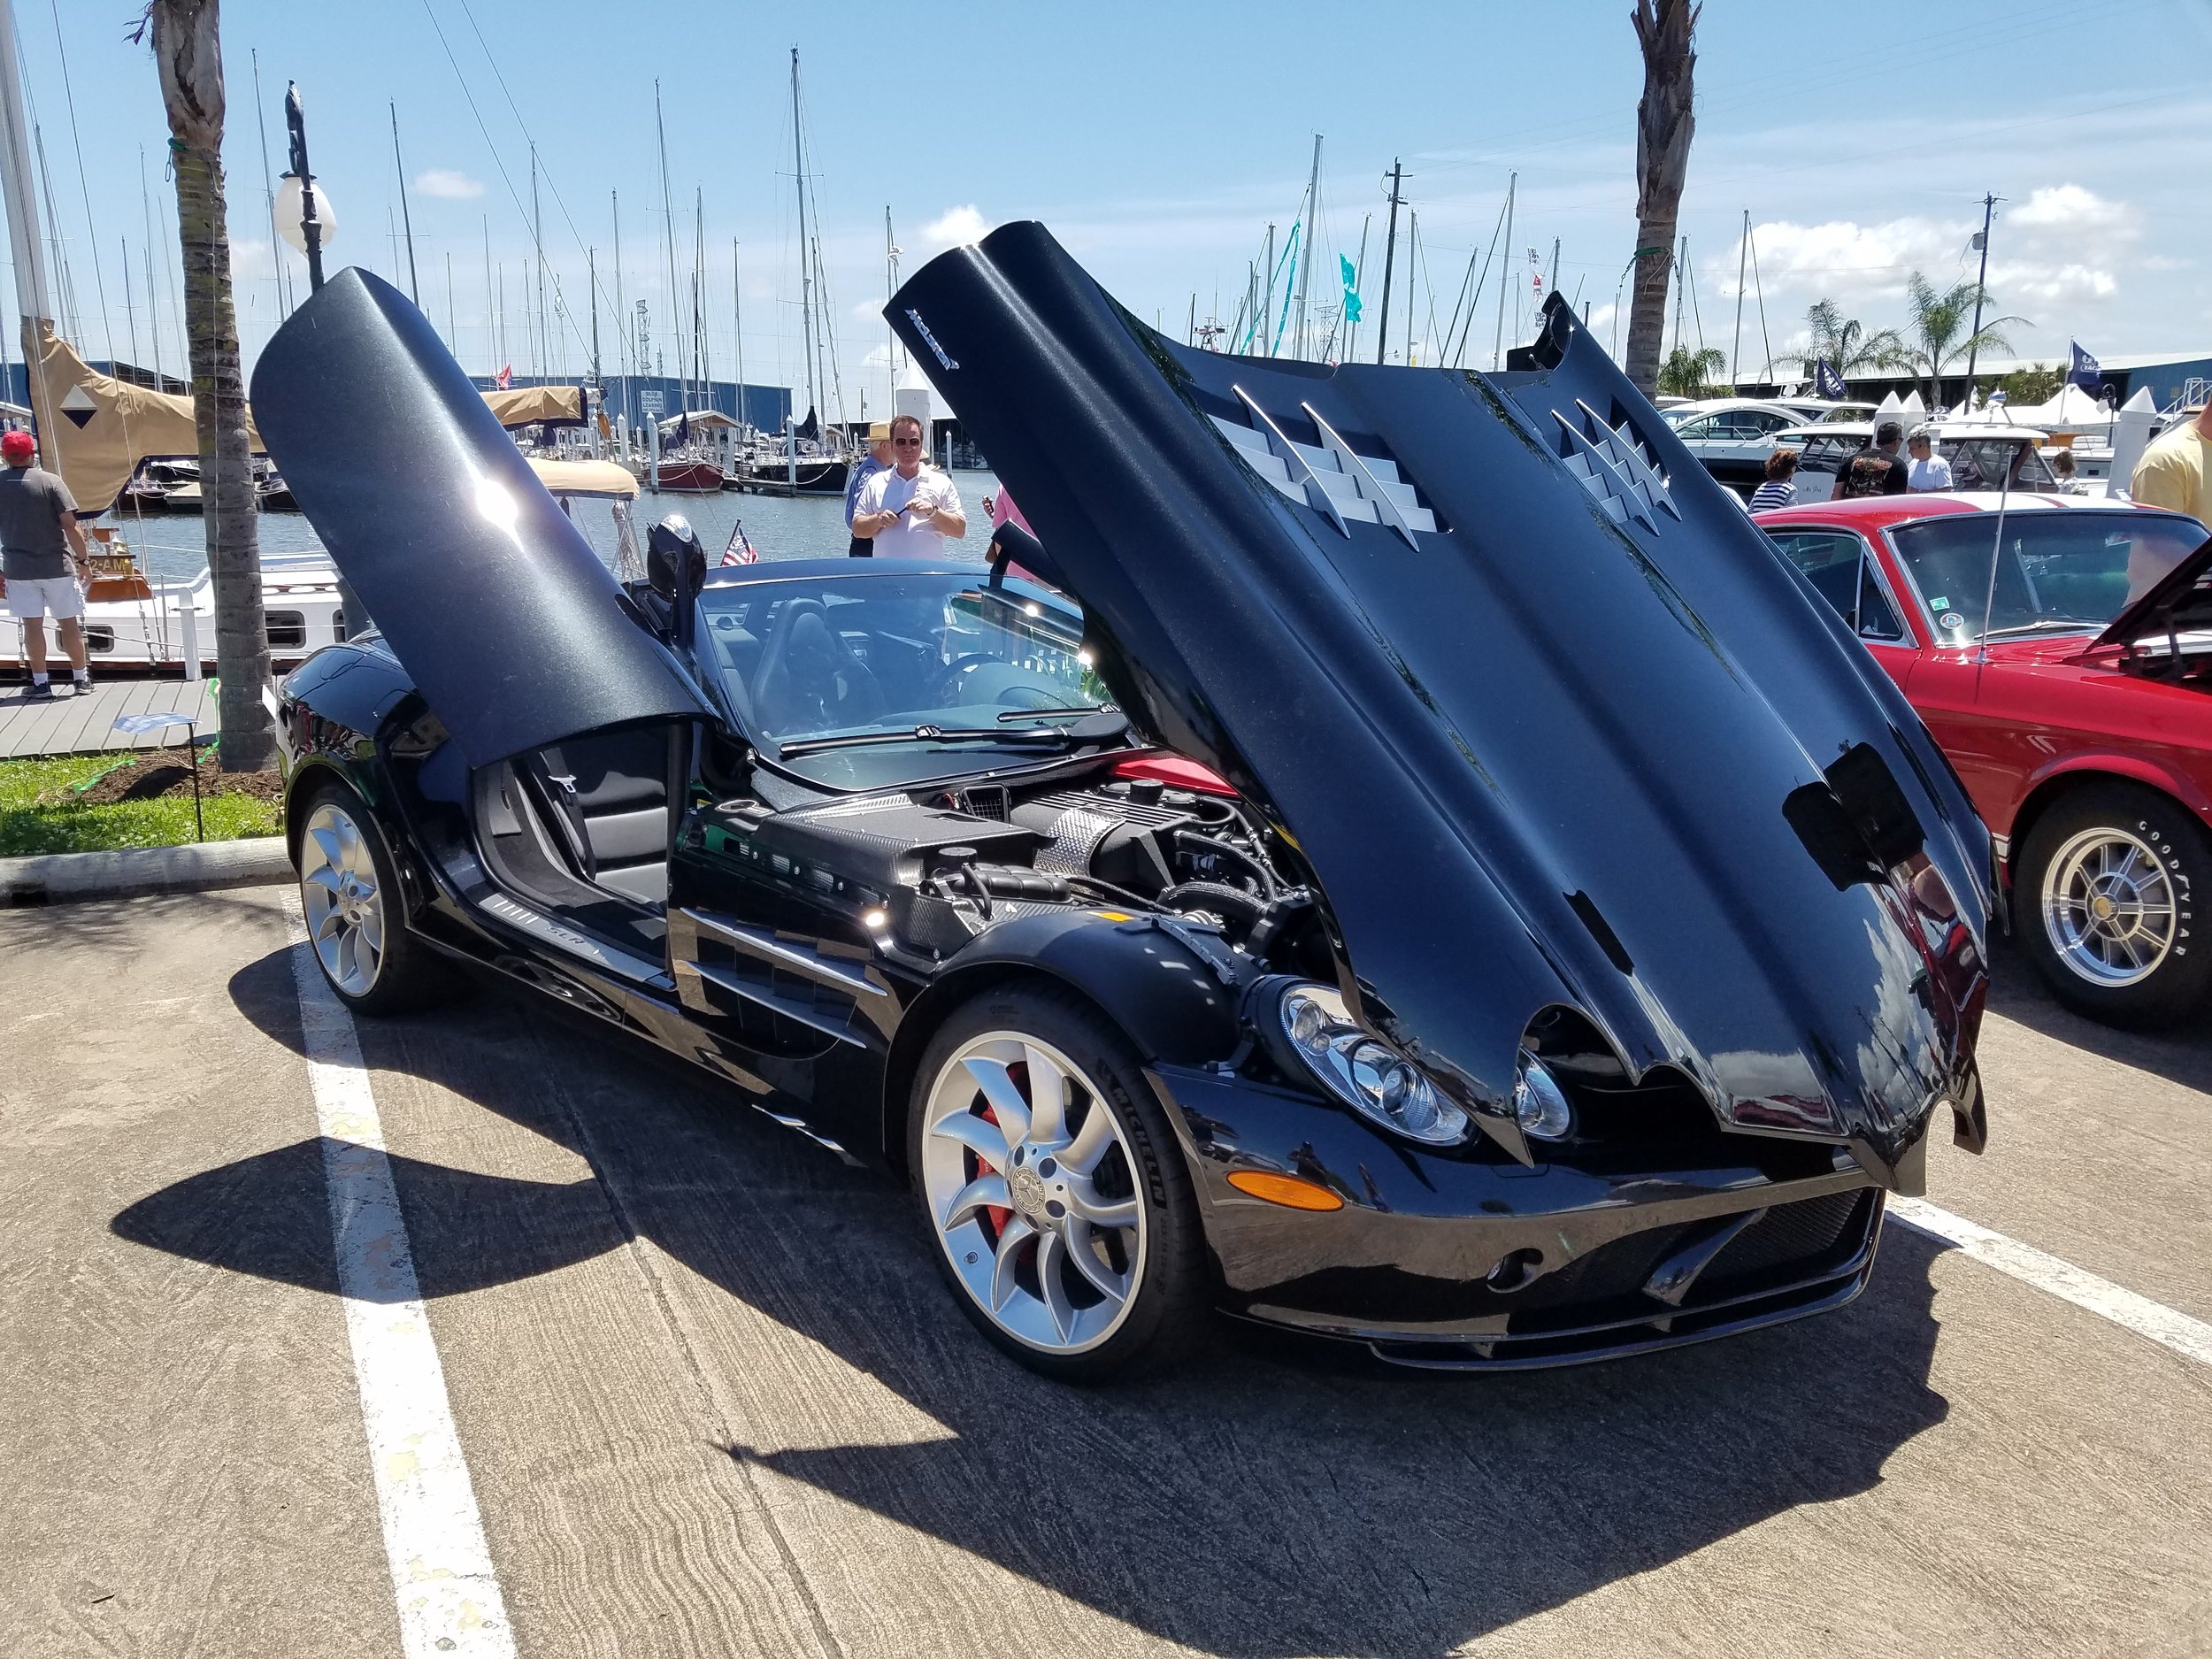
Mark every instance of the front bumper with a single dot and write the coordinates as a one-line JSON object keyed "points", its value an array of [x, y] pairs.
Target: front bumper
{"points": [[1462, 1264]]}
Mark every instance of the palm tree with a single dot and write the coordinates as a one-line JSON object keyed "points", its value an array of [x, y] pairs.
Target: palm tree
{"points": [[1939, 329], [188, 51], [1844, 344], [1665, 121], [1687, 373]]}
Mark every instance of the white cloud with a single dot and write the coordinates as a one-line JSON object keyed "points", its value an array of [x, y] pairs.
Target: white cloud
{"points": [[2067, 207], [956, 227], [444, 182]]}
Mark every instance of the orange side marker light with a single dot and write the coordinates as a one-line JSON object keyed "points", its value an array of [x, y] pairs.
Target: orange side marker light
{"points": [[1287, 1190]]}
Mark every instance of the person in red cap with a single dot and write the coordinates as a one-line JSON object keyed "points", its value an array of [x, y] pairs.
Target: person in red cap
{"points": [[42, 556]]}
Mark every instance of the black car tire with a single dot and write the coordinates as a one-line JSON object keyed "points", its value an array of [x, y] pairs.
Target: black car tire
{"points": [[407, 972], [2161, 853], [1169, 1306]]}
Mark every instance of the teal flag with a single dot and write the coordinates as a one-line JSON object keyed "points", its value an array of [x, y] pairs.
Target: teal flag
{"points": [[1351, 290]]}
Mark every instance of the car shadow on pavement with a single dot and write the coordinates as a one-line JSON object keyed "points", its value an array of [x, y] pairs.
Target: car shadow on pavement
{"points": [[1263, 1499], [2181, 1053]]}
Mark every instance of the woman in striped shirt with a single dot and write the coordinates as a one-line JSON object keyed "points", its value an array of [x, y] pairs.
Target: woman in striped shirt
{"points": [[1778, 491]]}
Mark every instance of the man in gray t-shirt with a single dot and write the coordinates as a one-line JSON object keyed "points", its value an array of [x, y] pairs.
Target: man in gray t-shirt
{"points": [[42, 555]]}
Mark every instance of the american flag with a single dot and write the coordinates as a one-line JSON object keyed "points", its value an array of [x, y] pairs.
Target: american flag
{"points": [[740, 552]]}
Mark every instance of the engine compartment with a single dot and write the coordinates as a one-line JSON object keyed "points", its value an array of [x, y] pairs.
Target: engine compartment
{"points": [[949, 862]]}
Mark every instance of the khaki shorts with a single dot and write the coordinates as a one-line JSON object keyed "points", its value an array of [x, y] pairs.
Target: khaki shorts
{"points": [[55, 596]]}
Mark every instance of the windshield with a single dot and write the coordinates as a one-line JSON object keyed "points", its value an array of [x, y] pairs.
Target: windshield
{"points": [[1981, 464], [919, 675], [2057, 571]]}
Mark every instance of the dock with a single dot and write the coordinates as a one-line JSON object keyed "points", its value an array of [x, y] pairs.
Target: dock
{"points": [[84, 724]]}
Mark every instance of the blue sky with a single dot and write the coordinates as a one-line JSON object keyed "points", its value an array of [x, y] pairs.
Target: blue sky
{"points": [[1157, 140]]}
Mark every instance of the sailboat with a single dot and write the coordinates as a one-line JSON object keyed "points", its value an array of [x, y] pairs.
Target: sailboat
{"points": [[806, 459]]}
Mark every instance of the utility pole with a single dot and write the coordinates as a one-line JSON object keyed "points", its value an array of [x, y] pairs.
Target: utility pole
{"points": [[1302, 344], [1735, 349], [1390, 255], [1973, 343], [407, 223], [1505, 283]]}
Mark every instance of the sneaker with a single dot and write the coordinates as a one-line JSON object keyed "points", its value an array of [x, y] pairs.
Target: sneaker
{"points": [[39, 693]]}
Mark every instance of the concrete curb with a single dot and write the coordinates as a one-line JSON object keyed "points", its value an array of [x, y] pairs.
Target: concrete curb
{"points": [[71, 878]]}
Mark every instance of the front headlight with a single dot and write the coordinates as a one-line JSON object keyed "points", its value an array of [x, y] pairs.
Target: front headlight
{"points": [[1368, 1075]]}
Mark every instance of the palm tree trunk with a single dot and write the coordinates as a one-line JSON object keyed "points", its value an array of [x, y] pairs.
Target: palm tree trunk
{"points": [[188, 51], [1665, 122]]}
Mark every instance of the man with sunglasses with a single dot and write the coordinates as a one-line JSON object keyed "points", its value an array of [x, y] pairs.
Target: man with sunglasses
{"points": [[910, 509]]}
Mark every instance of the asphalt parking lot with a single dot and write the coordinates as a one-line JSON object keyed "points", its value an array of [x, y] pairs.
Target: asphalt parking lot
{"points": [[677, 1381]]}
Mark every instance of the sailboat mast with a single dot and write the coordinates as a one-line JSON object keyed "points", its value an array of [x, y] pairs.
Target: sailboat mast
{"points": [[268, 200], [1301, 346], [622, 322], [406, 219], [537, 275], [890, 334], [1505, 277], [668, 223], [737, 323], [22, 207], [699, 294], [806, 263], [490, 336], [153, 316], [591, 267]]}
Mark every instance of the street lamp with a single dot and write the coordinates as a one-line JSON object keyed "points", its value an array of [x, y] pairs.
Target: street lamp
{"points": [[305, 217]]}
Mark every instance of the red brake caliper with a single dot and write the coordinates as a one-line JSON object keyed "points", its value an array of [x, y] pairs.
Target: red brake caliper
{"points": [[998, 1214]]}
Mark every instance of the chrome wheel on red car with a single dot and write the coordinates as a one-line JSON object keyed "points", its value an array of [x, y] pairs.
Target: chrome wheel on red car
{"points": [[2106, 882], [2109, 905]]}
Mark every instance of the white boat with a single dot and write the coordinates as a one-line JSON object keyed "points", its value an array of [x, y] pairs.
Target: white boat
{"points": [[138, 624]]}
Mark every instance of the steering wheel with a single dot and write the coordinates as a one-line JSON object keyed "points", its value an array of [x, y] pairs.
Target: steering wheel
{"points": [[942, 688]]}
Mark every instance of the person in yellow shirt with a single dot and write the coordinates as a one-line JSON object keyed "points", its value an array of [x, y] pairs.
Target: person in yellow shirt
{"points": [[2173, 471]]}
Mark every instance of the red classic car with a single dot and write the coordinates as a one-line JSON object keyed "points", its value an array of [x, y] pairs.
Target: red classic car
{"points": [[2057, 647]]}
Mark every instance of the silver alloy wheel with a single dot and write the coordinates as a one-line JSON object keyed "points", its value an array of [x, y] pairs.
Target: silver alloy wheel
{"points": [[344, 901], [2108, 907], [1029, 1181]]}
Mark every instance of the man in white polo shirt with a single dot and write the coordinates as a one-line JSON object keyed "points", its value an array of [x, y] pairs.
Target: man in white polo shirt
{"points": [[910, 509]]}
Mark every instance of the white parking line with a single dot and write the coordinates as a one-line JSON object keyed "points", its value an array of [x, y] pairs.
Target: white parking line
{"points": [[449, 1599], [2188, 1337]]}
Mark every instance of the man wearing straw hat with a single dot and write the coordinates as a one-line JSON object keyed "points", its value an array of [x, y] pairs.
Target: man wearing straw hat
{"points": [[878, 461], [42, 555]]}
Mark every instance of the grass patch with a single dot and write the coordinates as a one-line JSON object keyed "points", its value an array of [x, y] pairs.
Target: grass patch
{"points": [[80, 804]]}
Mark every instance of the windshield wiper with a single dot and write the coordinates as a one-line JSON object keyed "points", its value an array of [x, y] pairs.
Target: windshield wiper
{"points": [[1077, 712], [1096, 728], [2043, 625]]}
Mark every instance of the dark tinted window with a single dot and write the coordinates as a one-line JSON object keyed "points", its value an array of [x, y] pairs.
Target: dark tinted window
{"points": [[1841, 569], [2054, 569]]}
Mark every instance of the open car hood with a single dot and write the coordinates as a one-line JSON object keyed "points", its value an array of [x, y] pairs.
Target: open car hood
{"points": [[1550, 719], [513, 629], [2174, 600]]}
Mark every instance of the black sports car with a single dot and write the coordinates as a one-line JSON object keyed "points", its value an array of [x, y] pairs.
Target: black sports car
{"points": [[1445, 884]]}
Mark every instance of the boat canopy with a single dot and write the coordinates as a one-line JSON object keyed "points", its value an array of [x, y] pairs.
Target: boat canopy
{"points": [[537, 406], [599, 479], [95, 429]]}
